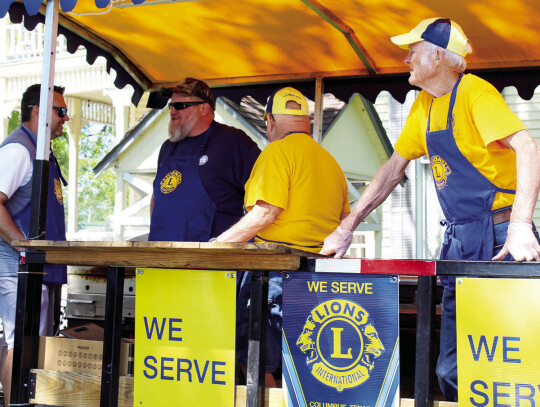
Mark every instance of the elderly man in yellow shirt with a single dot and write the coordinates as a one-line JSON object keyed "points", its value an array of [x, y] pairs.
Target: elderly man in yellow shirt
{"points": [[296, 195]]}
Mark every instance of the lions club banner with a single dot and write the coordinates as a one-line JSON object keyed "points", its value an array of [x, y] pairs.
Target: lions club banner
{"points": [[184, 328], [498, 342], [340, 340]]}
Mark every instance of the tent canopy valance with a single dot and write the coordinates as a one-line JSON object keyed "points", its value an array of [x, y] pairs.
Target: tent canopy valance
{"points": [[255, 44]]}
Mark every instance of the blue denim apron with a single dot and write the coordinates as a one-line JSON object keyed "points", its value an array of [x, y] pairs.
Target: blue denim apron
{"points": [[185, 214], [55, 224], [465, 195]]}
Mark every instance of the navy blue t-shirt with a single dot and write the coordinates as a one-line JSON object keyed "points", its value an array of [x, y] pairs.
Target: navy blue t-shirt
{"points": [[231, 155]]}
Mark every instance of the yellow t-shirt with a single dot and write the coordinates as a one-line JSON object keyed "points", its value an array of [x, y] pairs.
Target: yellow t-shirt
{"points": [[480, 118], [301, 177]]}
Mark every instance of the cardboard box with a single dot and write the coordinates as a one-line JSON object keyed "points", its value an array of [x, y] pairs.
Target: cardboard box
{"points": [[80, 355]]}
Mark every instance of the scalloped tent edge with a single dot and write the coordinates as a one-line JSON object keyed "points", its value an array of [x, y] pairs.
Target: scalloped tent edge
{"points": [[526, 80]]}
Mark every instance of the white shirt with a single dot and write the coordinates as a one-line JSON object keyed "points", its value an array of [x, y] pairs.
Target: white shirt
{"points": [[15, 168]]}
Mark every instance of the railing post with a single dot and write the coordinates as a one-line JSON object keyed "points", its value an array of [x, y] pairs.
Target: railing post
{"points": [[258, 322], [425, 341]]}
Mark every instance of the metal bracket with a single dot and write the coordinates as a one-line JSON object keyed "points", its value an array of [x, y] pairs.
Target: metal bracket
{"points": [[35, 257], [32, 386]]}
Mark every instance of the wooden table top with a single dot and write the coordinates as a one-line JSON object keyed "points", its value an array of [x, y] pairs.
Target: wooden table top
{"points": [[186, 255]]}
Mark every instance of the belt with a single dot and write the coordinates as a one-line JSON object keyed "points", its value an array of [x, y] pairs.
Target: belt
{"points": [[502, 216]]}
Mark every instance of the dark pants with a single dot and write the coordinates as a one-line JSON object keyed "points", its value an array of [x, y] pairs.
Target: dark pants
{"points": [[447, 362]]}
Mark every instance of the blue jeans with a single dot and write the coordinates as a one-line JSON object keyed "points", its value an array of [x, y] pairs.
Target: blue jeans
{"points": [[447, 362], [273, 333]]}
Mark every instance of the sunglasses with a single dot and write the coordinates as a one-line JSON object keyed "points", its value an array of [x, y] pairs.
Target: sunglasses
{"points": [[62, 111], [183, 105]]}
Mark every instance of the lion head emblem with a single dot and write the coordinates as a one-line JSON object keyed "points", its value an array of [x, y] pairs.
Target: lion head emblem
{"points": [[340, 343]]}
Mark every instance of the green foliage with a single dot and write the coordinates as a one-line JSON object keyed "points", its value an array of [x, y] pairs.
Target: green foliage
{"points": [[13, 122], [96, 194]]}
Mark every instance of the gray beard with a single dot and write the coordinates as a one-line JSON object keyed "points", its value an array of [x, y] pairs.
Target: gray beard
{"points": [[177, 133]]}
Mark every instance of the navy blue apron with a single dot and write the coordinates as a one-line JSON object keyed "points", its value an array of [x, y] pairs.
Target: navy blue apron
{"points": [[183, 210], [465, 195], [55, 224]]}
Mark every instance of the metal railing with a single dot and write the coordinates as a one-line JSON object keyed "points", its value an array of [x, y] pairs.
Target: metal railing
{"points": [[23, 45]]}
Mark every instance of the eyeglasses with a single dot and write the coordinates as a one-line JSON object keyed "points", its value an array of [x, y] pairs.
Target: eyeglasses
{"points": [[62, 111], [183, 105]]}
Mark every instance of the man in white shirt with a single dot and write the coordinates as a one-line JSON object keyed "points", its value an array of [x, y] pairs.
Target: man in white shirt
{"points": [[17, 153]]}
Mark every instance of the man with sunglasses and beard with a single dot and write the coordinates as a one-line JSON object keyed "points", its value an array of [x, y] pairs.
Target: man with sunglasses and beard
{"points": [[17, 154], [202, 169]]}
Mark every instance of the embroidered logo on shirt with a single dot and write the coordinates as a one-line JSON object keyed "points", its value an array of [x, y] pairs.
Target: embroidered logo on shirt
{"points": [[170, 181], [58, 191], [203, 160], [340, 344], [441, 171]]}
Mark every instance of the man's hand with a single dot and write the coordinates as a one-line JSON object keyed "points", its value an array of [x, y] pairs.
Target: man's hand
{"points": [[337, 243], [521, 243]]}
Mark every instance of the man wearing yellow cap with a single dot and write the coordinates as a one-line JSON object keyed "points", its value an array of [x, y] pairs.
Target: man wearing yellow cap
{"points": [[485, 164], [296, 195]]}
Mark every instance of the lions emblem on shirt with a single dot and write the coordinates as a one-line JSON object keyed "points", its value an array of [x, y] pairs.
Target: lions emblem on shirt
{"points": [[340, 344], [58, 191], [170, 181], [441, 171]]}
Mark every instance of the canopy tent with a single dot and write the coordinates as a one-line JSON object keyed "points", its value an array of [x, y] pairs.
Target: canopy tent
{"points": [[249, 46], [234, 44]]}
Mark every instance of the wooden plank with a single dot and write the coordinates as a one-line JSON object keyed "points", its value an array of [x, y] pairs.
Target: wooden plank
{"points": [[410, 403], [228, 256], [175, 260], [203, 246], [73, 389], [273, 397]]}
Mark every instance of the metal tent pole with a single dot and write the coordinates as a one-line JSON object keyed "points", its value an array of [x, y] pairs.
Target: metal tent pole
{"points": [[26, 346]]}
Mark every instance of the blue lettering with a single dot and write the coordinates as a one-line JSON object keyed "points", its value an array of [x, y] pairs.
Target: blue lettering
{"points": [[180, 370], [153, 359], [497, 394], [164, 368], [174, 329], [507, 349], [529, 397], [201, 377], [150, 332], [349, 310], [479, 393], [483, 343], [215, 372]]}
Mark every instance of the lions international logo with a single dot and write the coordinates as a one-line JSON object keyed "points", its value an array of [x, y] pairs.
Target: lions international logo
{"points": [[170, 181], [58, 191], [441, 171], [340, 344]]}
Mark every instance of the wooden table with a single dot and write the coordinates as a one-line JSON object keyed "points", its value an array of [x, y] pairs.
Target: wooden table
{"points": [[260, 258]]}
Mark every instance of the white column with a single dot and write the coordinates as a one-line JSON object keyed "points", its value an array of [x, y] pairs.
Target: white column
{"points": [[4, 46], [4, 113], [119, 203], [378, 234], [74, 131], [121, 100]]}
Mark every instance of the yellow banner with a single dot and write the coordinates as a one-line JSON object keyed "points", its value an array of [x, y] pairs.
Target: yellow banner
{"points": [[498, 342], [184, 337]]}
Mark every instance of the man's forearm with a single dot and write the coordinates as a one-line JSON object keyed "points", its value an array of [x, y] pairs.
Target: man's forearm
{"points": [[528, 177], [8, 230], [260, 216]]}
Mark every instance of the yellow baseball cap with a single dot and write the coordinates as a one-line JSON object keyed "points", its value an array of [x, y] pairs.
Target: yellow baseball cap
{"points": [[442, 32], [277, 103]]}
